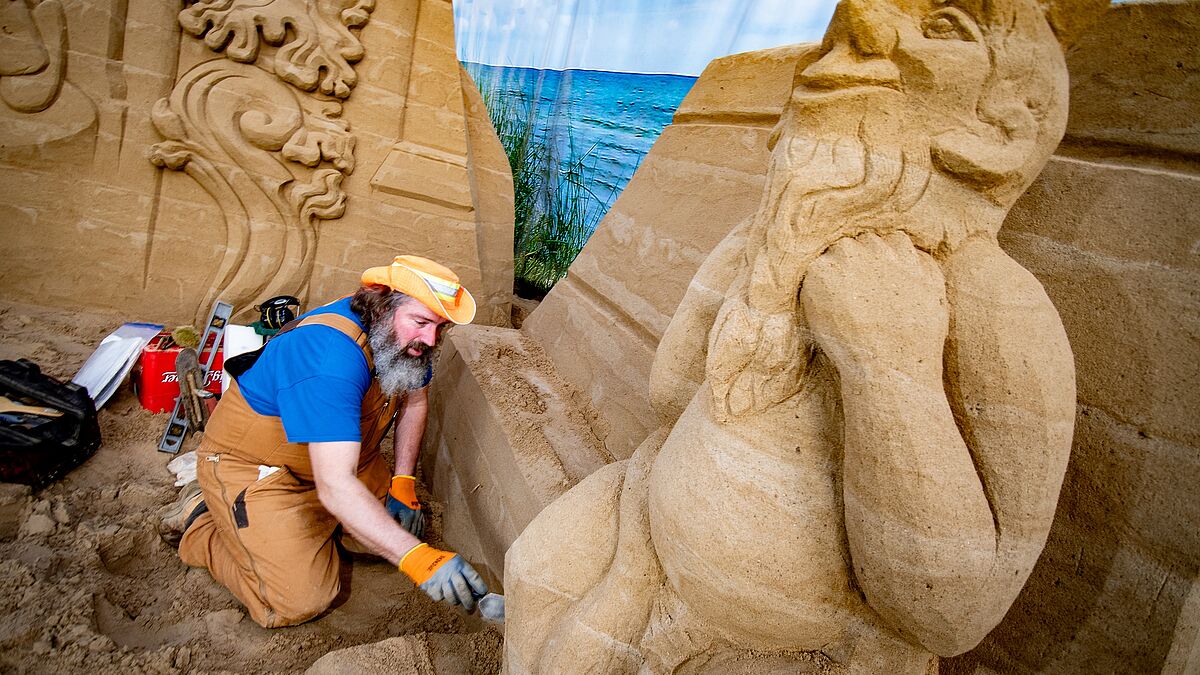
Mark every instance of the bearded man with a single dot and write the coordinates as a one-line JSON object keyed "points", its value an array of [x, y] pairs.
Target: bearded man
{"points": [[292, 451], [867, 406]]}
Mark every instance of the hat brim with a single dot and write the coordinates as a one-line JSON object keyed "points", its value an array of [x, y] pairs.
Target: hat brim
{"points": [[403, 279]]}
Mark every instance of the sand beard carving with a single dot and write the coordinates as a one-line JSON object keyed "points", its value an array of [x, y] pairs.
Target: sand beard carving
{"points": [[867, 406], [821, 188]]}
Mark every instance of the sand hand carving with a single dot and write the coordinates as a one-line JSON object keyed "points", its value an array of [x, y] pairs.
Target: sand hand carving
{"points": [[876, 306], [316, 47], [866, 422]]}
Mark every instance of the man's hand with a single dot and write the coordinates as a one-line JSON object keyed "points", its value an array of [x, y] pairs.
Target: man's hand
{"points": [[877, 304], [444, 576], [403, 505]]}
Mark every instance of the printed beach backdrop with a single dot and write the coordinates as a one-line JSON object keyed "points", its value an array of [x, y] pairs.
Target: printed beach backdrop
{"points": [[580, 89]]}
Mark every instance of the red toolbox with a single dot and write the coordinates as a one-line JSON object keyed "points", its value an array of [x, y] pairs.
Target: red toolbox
{"points": [[154, 377]]}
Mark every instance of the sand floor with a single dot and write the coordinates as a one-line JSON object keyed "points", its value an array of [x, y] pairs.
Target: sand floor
{"points": [[87, 586]]}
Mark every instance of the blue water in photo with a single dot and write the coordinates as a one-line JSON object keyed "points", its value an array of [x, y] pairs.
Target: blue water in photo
{"points": [[614, 118]]}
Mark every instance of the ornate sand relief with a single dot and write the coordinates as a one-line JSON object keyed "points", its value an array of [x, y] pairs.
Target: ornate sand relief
{"points": [[316, 48], [39, 104], [272, 158], [247, 139]]}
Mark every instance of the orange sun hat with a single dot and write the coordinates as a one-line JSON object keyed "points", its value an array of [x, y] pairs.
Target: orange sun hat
{"points": [[434, 285]]}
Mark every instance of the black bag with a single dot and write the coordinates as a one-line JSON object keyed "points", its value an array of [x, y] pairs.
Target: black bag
{"points": [[36, 450]]}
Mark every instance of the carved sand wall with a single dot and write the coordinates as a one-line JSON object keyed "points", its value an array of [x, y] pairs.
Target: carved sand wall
{"points": [[288, 148]]}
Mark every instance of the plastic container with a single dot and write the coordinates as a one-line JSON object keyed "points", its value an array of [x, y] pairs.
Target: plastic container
{"points": [[155, 380]]}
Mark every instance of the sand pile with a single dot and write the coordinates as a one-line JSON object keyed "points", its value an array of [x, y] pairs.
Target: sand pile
{"points": [[86, 584]]}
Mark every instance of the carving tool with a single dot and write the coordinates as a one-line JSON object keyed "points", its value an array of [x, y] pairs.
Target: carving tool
{"points": [[491, 608], [7, 405]]}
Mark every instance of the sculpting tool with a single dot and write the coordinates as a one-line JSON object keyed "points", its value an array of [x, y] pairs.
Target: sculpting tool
{"points": [[491, 608], [9, 405]]}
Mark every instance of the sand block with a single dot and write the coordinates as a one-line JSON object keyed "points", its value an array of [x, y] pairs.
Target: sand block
{"points": [[506, 437], [1143, 93]]}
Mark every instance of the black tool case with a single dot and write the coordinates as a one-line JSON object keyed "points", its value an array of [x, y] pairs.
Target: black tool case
{"points": [[37, 450]]}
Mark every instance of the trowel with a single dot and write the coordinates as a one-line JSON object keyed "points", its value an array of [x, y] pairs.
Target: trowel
{"points": [[491, 608]]}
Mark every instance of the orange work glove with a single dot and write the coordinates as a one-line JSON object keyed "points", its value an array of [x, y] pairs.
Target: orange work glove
{"points": [[404, 490], [443, 575], [402, 503]]}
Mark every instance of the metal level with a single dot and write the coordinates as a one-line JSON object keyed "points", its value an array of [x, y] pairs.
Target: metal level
{"points": [[177, 427]]}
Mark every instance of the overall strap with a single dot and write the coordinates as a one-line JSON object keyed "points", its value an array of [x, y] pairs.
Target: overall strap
{"points": [[237, 366], [344, 325]]}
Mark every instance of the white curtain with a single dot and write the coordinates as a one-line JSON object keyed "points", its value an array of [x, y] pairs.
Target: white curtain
{"points": [[580, 89]]}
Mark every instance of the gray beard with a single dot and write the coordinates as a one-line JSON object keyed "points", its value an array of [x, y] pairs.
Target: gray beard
{"points": [[396, 371]]}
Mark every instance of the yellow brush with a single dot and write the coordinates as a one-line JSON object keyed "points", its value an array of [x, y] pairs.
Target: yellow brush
{"points": [[7, 405]]}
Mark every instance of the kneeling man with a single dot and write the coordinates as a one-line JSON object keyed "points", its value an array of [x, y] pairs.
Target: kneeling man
{"points": [[292, 451]]}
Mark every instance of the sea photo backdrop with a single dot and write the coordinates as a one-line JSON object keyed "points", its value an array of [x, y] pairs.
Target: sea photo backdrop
{"points": [[580, 89]]}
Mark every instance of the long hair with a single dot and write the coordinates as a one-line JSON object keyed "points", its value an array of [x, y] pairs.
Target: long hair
{"points": [[374, 302]]}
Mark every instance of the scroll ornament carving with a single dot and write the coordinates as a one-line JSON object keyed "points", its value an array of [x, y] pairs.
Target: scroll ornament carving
{"points": [[316, 48], [39, 105], [272, 158], [274, 162]]}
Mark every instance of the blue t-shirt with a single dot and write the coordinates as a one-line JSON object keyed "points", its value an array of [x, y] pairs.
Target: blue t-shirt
{"points": [[313, 378]]}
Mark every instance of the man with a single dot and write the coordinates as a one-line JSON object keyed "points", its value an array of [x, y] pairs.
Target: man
{"points": [[291, 452], [866, 405]]}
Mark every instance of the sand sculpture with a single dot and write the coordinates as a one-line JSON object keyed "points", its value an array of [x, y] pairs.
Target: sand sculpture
{"points": [[273, 159], [866, 407], [289, 143]]}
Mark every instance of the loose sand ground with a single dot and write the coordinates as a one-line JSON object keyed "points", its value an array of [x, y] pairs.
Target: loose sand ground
{"points": [[87, 586]]}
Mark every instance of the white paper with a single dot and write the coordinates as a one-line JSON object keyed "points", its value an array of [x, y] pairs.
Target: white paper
{"points": [[184, 468], [109, 365]]}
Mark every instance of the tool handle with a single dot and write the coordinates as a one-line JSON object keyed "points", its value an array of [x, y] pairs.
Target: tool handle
{"points": [[8, 405]]}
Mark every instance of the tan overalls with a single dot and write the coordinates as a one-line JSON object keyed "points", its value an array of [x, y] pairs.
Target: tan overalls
{"points": [[268, 539]]}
